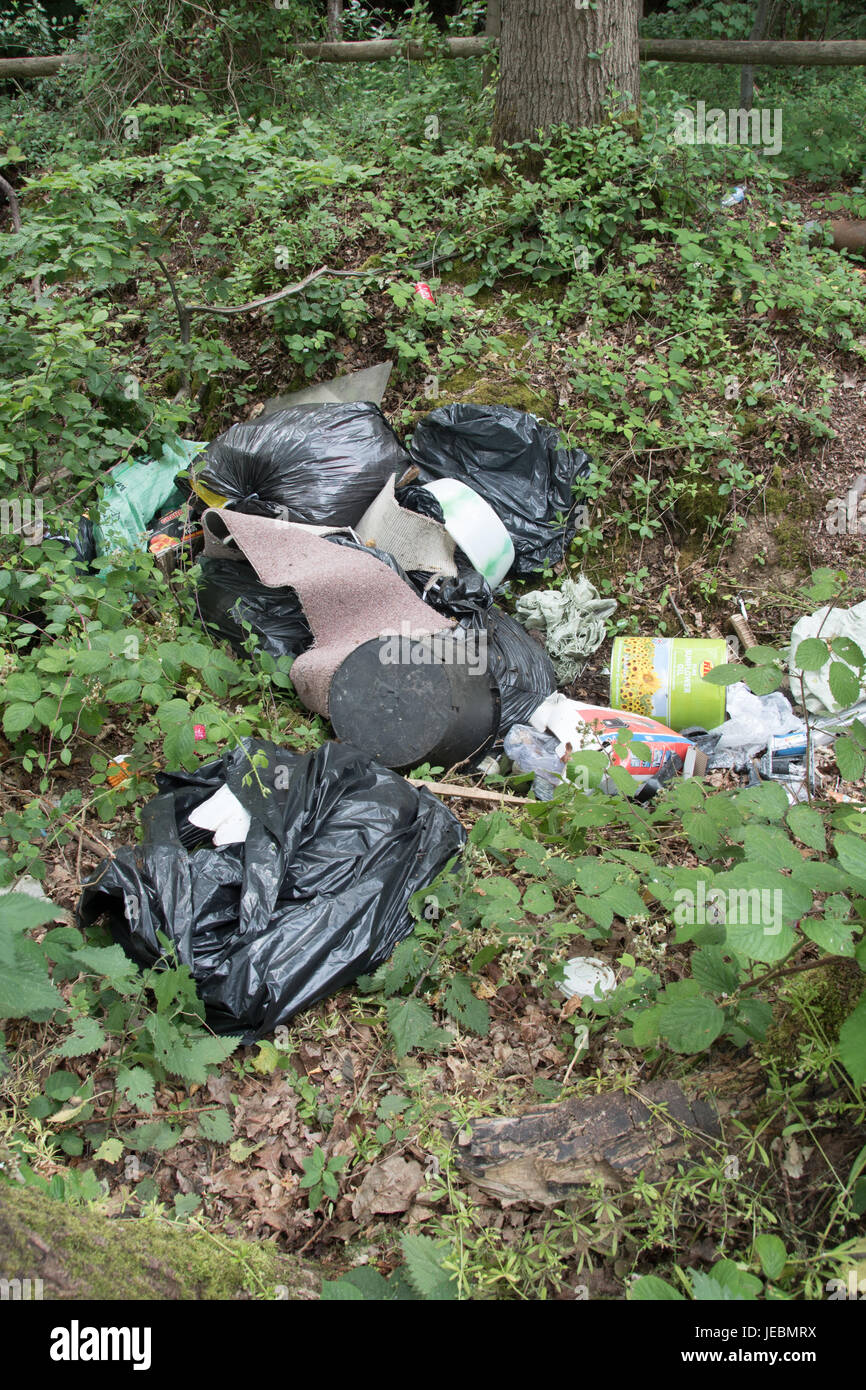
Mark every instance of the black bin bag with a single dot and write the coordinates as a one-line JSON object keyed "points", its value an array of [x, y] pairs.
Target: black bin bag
{"points": [[319, 464], [515, 463], [229, 593], [317, 894], [518, 663]]}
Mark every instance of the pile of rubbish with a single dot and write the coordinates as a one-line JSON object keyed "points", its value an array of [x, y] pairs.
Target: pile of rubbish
{"points": [[376, 568]]}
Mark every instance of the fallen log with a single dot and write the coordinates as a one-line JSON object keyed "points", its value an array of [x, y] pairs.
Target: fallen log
{"points": [[759, 53], [56, 1250], [545, 1155], [769, 53]]}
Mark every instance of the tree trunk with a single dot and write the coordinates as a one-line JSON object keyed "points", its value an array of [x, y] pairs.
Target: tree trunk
{"points": [[335, 19], [747, 73], [52, 1250], [558, 61], [492, 30]]}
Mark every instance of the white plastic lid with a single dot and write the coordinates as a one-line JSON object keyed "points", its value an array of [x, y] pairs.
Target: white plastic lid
{"points": [[583, 974]]}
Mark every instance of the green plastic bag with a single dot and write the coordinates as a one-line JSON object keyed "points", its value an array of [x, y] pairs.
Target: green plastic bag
{"points": [[139, 491]]}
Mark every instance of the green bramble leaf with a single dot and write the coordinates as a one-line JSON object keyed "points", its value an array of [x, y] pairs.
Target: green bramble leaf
{"points": [[844, 685], [691, 1025], [16, 718], [812, 654], [727, 674], [850, 759], [808, 826], [772, 1254]]}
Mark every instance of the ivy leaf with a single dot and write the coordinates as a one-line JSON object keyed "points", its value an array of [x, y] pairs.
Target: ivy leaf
{"points": [[691, 1025], [463, 1005]]}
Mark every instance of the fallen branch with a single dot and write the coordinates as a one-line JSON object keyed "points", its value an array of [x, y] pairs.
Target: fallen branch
{"points": [[273, 298], [771, 53], [763, 53]]}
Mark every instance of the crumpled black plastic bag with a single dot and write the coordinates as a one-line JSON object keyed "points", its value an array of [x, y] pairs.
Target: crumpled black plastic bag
{"points": [[519, 664], [230, 593], [317, 895], [515, 463], [320, 464]]}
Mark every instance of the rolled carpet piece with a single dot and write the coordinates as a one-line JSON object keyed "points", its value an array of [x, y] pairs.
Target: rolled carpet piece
{"points": [[348, 597]]}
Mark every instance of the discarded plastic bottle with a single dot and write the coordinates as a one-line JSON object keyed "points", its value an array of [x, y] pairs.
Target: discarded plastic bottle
{"points": [[738, 196]]}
